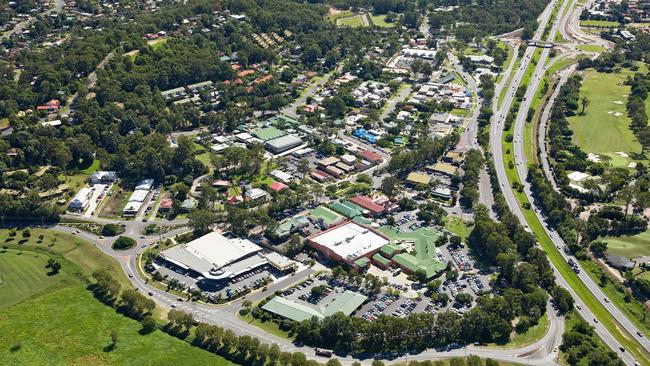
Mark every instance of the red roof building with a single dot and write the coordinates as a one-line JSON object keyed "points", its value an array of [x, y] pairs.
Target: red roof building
{"points": [[52, 105], [278, 186], [319, 175], [165, 204], [368, 204], [370, 156], [221, 184]]}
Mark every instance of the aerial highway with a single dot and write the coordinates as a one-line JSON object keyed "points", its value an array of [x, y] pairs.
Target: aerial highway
{"points": [[520, 163]]}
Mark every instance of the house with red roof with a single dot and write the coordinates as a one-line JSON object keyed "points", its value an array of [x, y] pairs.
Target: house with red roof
{"points": [[165, 204], [51, 106], [319, 175], [278, 186], [370, 156], [366, 203]]}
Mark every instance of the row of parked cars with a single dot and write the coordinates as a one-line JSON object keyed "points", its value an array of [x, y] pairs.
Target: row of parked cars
{"points": [[406, 308], [379, 307]]}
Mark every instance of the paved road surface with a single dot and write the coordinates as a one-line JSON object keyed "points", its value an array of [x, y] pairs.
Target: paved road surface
{"points": [[496, 138], [539, 353]]}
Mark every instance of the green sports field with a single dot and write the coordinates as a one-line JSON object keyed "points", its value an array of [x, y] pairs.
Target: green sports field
{"points": [[353, 21], [598, 23], [70, 327], [55, 320], [380, 21], [629, 246], [600, 131], [22, 275]]}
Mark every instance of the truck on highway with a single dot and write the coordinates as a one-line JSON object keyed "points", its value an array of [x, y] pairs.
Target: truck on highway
{"points": [[323, 352]]}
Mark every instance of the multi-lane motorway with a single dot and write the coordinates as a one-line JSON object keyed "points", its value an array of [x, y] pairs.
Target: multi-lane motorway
{"points": [[496, 134]]}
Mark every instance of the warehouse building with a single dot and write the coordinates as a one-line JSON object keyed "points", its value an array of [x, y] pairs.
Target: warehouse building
{"points": [[282, 144], [219, 258], [345, 303]]}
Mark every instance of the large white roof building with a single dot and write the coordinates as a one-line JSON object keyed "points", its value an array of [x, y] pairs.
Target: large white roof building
{"points": [[215, 256], [348, 242]]}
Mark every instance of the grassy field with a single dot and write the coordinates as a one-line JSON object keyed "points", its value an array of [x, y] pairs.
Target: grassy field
{"points": [[380, 21], [70, 327], [204, 157], [268, 326], [629, 246], [353, 21], [458, 226], [77, 256], [598, 23], [55, 320], [333, 17], [156, 44], [23, 275], [532, 335], [591, 48], [599, 131]]}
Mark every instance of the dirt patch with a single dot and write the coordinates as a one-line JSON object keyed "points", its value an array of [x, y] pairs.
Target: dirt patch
{"points": [[115, 203], [334, 11]]}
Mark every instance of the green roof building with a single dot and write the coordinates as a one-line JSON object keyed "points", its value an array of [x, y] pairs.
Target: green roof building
{"points": [[424, 243], [268, 133], [418, 178], [345, 303], [381, 261], [291, 310], [389, 250], [325, 216], [291, 225], [347, 209], [362, 220], [362, 263]]}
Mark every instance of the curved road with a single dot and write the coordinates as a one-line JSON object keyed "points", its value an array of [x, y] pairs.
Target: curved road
{"points": [[496, 138], [539, 353]]}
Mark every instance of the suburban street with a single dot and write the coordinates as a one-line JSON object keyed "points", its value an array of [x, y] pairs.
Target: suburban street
{"points": [[497, 137], [25, 24]]}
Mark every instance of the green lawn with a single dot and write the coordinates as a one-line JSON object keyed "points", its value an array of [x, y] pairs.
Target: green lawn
{"points": [[343, 14], [591, 48], [23, 275], [599, 131], [55, 320], [629, 246], [70, 327], [598, 23], [92, 168], [458, 226], [156, 44], [353, 21], [77, 256], [267, 326], [532, 335], [380, 21]]}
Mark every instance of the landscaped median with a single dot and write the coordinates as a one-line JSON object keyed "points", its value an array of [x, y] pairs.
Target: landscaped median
{"points": [[558, 261]]}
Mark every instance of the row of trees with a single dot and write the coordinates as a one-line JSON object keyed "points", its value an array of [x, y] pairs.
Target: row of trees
{"points": [[472, 166], [427, 150]]}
